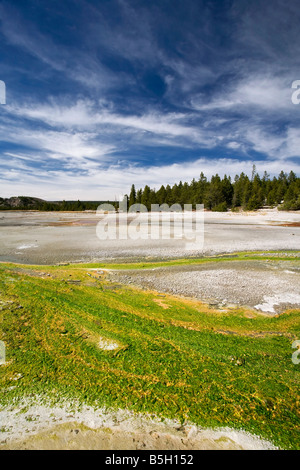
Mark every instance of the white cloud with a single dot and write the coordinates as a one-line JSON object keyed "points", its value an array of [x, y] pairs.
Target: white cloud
{"points": [[233, 145], [292, 142], [63, 145], [85, 115], [263, 92], [73, 63], [109, 183], [87, 137]]}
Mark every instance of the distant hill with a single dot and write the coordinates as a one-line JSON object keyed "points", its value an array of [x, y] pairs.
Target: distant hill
{"points": [[20, 202], [34, 203]]}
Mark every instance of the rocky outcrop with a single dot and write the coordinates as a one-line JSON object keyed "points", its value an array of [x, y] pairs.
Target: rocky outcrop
{"points": [[21, 202]]}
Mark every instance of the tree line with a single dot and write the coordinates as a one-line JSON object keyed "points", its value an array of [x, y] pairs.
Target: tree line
{"points": [[217, 194], [32, 203], [69, 206], [221, 194]]}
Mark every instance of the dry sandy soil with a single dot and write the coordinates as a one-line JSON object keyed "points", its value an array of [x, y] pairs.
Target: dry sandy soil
{"points": [[38, 427]]}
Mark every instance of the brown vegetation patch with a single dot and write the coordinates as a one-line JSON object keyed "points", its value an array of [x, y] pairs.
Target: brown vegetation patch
{"points": [[290, 224], [161, 304]]}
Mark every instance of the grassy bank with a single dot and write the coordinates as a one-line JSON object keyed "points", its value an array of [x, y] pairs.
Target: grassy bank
{"points": [[173, 357], [291, 255]]}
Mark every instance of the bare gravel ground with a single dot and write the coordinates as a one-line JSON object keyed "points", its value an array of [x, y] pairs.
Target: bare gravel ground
{"points": [[55, 237], [268, 287]]}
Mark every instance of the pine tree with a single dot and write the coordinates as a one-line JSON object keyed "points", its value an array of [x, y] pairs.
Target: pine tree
{"points": [[139, 196], [132, 196], [256, 199], [145, 199], [185, 196], [161, 195], [202, 187], [168, 199], [214, 195], [227, 190]]}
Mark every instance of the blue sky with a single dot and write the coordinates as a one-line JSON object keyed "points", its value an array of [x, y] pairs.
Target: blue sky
{"points": [[102, 94]]}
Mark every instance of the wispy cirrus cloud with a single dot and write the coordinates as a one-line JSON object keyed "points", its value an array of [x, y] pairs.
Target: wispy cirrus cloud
{"points": [[70, 61], [260, 92], [115, 180], [86, 115], [83, 132], [109, 93]]}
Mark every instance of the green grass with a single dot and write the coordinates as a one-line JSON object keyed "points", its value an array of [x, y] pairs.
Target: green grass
{"points": [[176, 358], [291, 255]]}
